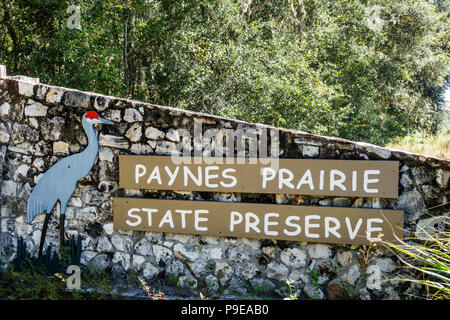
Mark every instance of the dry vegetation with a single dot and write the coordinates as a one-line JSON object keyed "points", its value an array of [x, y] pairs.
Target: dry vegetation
{"points": [[436, 146]]}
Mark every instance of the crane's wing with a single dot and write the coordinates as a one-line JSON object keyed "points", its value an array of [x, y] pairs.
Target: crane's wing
{"points": [[57, 183], [40, 200]]}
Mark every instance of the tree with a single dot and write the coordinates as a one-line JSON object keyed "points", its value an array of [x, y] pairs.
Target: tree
{"points": [[318, 66]]}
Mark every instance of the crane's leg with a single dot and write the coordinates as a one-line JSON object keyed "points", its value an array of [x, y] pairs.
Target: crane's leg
{"points": [[62, 218], [44, 231]]}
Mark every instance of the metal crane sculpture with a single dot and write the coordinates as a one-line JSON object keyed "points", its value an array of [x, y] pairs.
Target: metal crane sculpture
{"points": [[60, 181]]}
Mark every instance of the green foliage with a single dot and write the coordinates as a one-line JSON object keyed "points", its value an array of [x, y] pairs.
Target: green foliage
{"points": [[50, 262], [315, 66], [292, 295], [35, 282], [27, 277]]}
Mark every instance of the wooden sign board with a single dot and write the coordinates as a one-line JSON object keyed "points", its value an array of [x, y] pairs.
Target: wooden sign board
{"points": [[262, 221], [352, 178]]}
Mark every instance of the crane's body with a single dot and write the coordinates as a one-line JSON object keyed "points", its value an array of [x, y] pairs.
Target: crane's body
{"points": [[60, 181]]}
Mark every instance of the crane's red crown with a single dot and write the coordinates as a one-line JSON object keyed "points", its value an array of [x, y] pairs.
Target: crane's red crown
{"points": [[91, 115]]}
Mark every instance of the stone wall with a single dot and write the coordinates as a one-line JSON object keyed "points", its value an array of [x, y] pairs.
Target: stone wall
{"points": [[41, 124]]}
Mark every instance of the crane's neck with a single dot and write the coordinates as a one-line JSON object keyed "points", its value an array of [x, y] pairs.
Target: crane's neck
{"points": [[89, 155]]}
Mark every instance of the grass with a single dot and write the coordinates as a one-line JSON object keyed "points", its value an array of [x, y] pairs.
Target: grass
{"points": [[429, 257], [436, 146], [36, 283]]}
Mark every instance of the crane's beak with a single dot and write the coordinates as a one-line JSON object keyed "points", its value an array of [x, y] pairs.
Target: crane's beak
{"points": [[105, 121]]}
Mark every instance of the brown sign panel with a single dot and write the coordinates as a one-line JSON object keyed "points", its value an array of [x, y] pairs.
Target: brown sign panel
{"points": [[353, 178], [262, 221]]}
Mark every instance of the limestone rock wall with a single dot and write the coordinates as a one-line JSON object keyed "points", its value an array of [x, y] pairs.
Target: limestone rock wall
{"points": [[40, 124]]}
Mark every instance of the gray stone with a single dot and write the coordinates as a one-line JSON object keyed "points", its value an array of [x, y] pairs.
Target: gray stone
{"points": [[293, 258], [75, 202], [25, 88], [154, 134], [104, 245], [380, 152], [342, 202], [101, 103], [22, 133], [212, 284], [150, 270], [134, 133], [427, 228], [143, 247], [375, 203], [184, 238], [115, 115], [238, 254], [227, 197], [352, 275], [345, 258], [76, 99], [137, 262], [249, 271], [35, 109], [420, 176], [51, 129], [118, 242], [183, 253], [406, 181], [313, 292], [199, 268], [385, 264], [430, 191], [187, 281], [60, 147], [86, 255], [223, 272], [412, 203], [311, 142], [132, 115], [9, 188], [442, 177], [106, 154], [167, 147], [88, 214], [310, 151], [128, 242], [277, 271], [319, 251], [108, 228], [271, 251], [391, 294], [40, 149], [54, 95], [39, 164], [4, 135], [162, 255], [123, 259], [5, 108], [100, 262], [236, 287], [41, 91], [215, 253], [176, 268], [33, 123], [21, 173], [173, 135], [141, 148], [252, 243], [112, 141], [325, 202], [23, 148]]}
